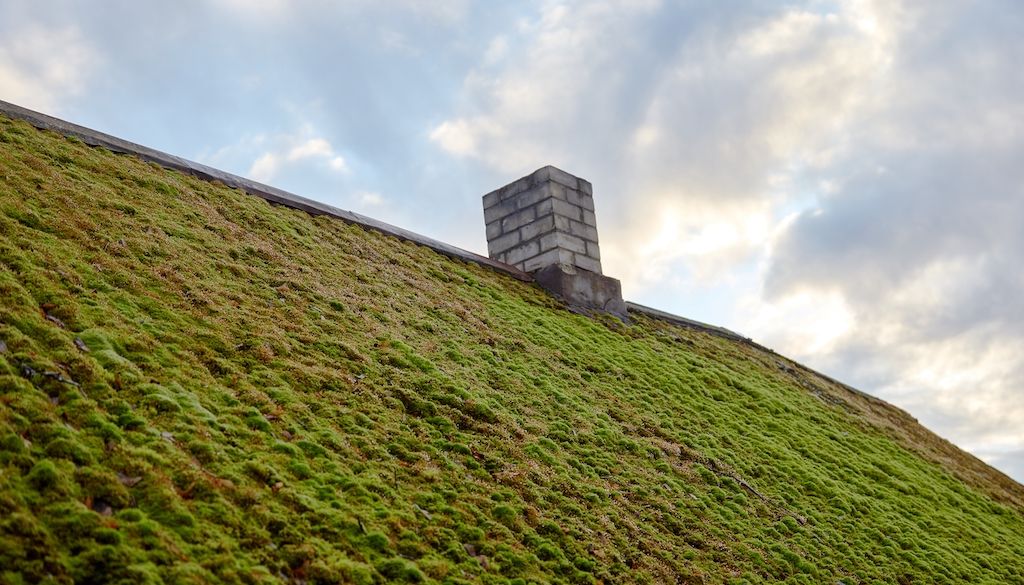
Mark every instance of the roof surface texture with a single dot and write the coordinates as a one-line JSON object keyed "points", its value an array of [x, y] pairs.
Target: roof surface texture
{"points": [[197, 386]]}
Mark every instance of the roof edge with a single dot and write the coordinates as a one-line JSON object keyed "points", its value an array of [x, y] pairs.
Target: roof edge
{"points": [[732, 335], [271, 194], [288, 199]]}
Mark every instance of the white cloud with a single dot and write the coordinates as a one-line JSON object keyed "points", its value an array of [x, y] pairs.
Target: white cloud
{"points": [[42, 67], [370, 199], [845, 172], [265, 167], [707, 238], [859, 159], [456, 136], [257, 10], [696, 136], [290, 149], [811, 321], [529, 104], [916, 229], [496, 50], [441, 11], [312, 147], [273, 11]]}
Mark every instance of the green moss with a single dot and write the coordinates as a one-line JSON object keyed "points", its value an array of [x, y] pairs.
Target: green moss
{"points": [[397, 570], [44, 475], [265, 396], [377, 541]]}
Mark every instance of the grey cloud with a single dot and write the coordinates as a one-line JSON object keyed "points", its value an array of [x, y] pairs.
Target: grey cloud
{"points": [[722, 109], [935, 177], [1010, 462], [196, 77], [931, 201], [670, 67]]}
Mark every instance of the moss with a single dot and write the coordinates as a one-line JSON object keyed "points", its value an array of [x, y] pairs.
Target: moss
{"points": [[44, 475], [377, 541], [266, 396], [398, 570]]}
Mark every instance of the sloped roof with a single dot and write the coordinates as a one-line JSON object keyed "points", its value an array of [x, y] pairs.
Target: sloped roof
{"points": [[198, 386]]}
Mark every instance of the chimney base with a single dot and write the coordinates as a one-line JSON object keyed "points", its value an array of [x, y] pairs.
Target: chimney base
{"points": [[583, 289]]}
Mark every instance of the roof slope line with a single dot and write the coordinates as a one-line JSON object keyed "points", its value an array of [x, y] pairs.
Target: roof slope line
{"points": [[732, 335], [692, 324], [271, 194], [287, 199]]}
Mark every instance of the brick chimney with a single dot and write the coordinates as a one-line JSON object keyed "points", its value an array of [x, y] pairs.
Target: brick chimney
{"points": [[544, 223]]}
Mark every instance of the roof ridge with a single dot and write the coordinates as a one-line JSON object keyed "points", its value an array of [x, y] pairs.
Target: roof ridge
{"points": [[281, 197], [261, 190]]}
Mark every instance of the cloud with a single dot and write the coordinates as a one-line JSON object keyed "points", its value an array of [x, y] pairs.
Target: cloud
{"points": [[920, 233], [496, 50], [255, 9], [697, 118], [457, 137], [370, 199], [41, 67], [849, 171], [838, 178], [271, 12], [297, 148]]}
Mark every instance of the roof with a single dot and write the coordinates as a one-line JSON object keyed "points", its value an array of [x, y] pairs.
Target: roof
{"points": [[278, 196], [196, 385]]}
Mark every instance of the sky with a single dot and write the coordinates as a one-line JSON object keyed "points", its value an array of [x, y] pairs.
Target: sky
{"points": [[842, 181]]}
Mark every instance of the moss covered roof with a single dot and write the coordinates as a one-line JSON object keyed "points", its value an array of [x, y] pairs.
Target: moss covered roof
{"points": [[197, 386]]}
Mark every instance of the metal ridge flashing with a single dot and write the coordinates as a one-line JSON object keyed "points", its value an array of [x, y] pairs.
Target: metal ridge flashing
{"points": [[677, 320], [281, 197], [272, 194], [729, 334]]}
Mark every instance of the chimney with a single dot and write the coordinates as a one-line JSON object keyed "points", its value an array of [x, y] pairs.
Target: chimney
{"points": [[544, 223]]}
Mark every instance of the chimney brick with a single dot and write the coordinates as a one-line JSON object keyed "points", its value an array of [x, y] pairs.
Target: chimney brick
{"points": [[547, 210], [544, 223]]}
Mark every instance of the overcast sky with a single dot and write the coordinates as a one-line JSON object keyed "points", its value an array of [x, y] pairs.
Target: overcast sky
{"points": [[841, 180]]}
